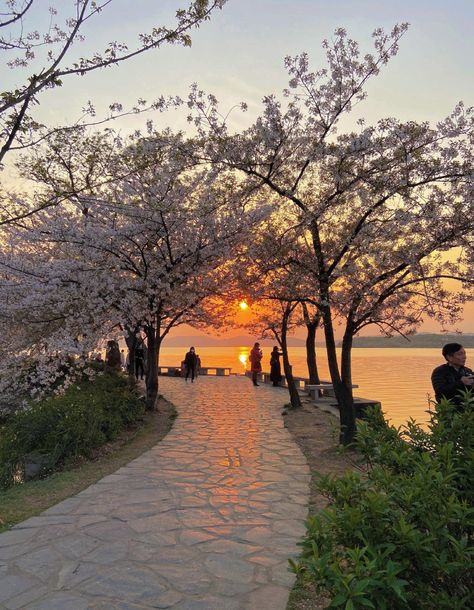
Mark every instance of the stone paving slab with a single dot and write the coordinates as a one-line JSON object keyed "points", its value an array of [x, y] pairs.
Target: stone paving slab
{"points": [[207, 519]]}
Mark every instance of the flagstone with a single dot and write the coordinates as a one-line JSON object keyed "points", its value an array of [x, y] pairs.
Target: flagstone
{"points": [[206, 520]]}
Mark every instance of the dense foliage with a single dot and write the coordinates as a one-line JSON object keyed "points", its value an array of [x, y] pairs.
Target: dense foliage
{"points": [[65, 427], [401, 537]]}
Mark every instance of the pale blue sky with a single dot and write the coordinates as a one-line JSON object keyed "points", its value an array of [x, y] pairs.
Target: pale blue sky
{"points": [[238, 55]]}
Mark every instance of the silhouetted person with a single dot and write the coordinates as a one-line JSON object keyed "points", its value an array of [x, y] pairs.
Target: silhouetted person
{"points": [[255, 358], [139, 361], [190, 363], [112, 356], [275, 367]]}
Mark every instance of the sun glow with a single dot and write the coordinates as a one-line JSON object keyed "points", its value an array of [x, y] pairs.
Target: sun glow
{"points": [[243, 305]]}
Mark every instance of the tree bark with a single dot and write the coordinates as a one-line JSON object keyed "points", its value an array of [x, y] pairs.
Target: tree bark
{"points": [[311, 328], [313, 372], [342, 391], [131, 342], [151, 372], [292, 389], [342, 388]]}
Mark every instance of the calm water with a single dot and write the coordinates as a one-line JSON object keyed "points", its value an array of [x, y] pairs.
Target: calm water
{"points": [[399, 378]]}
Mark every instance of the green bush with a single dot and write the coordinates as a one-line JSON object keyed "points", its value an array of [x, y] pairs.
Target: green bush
{"points": [[400, 536], [90, 413]]}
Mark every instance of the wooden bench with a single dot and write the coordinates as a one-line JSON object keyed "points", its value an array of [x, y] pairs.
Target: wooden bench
{"points": [[176, 371], [318, 390], [219, 371], [171, 371]]}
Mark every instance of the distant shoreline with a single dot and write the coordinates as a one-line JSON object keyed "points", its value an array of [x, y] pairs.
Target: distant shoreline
{"points": [[421, 340], [416, 341]]}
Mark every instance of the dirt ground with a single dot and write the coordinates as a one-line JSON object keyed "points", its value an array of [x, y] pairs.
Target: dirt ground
{"points": [[316, 432]]}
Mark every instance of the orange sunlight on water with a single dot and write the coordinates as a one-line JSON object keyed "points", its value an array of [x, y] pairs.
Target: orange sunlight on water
{"points": [[399, 378]]}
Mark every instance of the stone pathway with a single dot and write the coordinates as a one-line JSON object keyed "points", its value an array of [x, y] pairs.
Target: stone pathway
{"points": [[206, 520]]}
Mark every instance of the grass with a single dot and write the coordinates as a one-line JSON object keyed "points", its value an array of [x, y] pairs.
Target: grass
{"points": [[26, 500]]}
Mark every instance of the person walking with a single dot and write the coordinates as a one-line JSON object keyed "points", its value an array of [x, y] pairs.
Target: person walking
{"points": [[275, 367], [190, 364], [255, 358]]}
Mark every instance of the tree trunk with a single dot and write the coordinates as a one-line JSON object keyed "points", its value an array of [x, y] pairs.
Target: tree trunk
{"points": [[292, 389], [313, 372], [342, 390], [343, 393], [132, 342], [151, 373], [312, 324]]}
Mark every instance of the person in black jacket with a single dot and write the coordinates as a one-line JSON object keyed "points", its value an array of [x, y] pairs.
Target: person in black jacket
{"points": [[275, 367], [190, 363], [451, 378], [139, 361]]}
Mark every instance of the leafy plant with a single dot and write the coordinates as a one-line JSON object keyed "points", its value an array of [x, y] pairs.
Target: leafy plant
{"points": [[400, 536], [65, 427]]}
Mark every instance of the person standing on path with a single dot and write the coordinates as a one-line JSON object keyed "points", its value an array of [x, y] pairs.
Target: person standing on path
{"points": [[190, 364], [255, 358], [275, 367], [139, 361]]}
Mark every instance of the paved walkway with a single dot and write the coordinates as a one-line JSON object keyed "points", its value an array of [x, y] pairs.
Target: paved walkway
{"points": [[205, 520]]}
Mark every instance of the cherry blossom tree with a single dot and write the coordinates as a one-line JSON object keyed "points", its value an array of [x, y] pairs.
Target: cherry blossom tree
{"points": [[152, 231], [47, 59], [379, 205]]}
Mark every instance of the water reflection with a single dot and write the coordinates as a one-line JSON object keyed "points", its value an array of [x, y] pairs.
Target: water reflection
{"points": [[399, 377], [243, 356]]}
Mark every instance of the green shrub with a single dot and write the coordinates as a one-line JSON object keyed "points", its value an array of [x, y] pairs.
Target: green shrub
{"points": [[89, 414], [400, 536]]}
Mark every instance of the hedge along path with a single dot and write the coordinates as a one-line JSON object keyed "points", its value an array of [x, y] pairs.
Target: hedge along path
{"points": [[207, 519]]}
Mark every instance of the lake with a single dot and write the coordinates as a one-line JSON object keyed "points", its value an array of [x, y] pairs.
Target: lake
{"points": [[398, 378]]}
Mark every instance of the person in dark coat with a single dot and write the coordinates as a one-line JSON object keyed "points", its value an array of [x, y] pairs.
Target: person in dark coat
{"points": [[190, 364], [275, 367], [139, 361], [255, 358], [112, 356], [450, 379]]}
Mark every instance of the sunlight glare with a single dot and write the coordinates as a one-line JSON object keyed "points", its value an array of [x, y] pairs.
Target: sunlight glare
{"points": [[243, 305]]}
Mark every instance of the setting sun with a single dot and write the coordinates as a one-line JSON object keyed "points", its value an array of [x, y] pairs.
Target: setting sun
{"points": [[243, 305]]}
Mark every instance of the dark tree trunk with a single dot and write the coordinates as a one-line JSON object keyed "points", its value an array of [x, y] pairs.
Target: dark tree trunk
{"points": [[311, 328], [131, 340], [343, 394], [346, 358], [342, 388], [313, 372], [292, 389], [151, 373]]}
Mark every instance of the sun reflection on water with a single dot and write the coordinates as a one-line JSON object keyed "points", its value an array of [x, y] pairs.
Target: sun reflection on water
{"points": [[243, 356]]}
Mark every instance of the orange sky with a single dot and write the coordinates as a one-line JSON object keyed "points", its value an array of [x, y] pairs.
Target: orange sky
{"points": [[465, 326]]}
